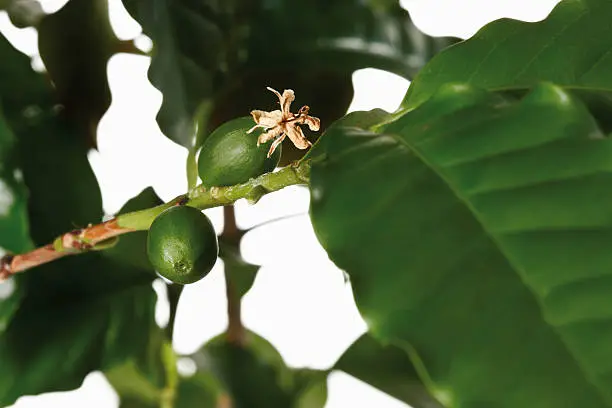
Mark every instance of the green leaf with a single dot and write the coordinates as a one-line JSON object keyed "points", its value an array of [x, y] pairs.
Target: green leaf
{"points": [[78, 314], [572, 48], [387, 368], [228, 52], [64, 192], [359, 119], [23, 92], [14, 228], [475, 231], [185, 60], [198, 391], [132, 385], [310, 388], [23, 13], [75, 45], [239, 272], [10, 299], [148, 381], [255, 375], [250, 378], [57, 337]]}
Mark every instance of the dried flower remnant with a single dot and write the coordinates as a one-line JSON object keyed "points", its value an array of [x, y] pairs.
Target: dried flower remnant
{"points": [[281, 123]]}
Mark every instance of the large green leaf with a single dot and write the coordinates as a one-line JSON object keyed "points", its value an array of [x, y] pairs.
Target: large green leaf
{"points": [[75, 44], [387, 368], [51, 344], [64, 192], [228, 52], [572, 47], [78, 314], [475, 230]]}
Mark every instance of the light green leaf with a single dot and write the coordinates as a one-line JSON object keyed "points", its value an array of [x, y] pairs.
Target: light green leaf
{"points": [[572, 47], [132, 385], [475, 230]]}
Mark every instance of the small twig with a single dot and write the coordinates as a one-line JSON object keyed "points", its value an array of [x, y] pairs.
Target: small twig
{"points": [[174, 294], [232, 234], [72, 242], [94, 236]]}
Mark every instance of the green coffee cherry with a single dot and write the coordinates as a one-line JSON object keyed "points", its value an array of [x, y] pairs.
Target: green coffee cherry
{"points": [[231, 156], [182, 244]]}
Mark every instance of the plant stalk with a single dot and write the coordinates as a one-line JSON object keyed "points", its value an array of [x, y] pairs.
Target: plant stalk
{"points": [[100, 236], [231, 233]]}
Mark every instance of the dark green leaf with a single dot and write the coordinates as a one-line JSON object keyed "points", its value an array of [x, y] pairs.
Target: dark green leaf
{"points": [[14, 228], [186, 58], [75, 44], [360, 119], [18, 83], [23, 92], [387, 368], [23, 13], [240, 273], [251, 379], [10, 299], [81, 313], [228, 52], [64, 192], [479, 240], [255, 375], [56, 337], [572, 47]]}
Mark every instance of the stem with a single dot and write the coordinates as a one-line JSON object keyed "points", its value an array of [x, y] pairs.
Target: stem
{"points": [[174, 294], [96, 237], [232, 234]]}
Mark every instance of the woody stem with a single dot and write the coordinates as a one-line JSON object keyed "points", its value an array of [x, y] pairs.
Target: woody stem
{"points": [[97, 236]]}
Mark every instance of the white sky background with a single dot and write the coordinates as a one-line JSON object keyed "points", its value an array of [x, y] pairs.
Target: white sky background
{"points": [[303, 308]]}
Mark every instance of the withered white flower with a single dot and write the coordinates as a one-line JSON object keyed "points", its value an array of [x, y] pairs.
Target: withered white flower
{"points": [[281, 123]]}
